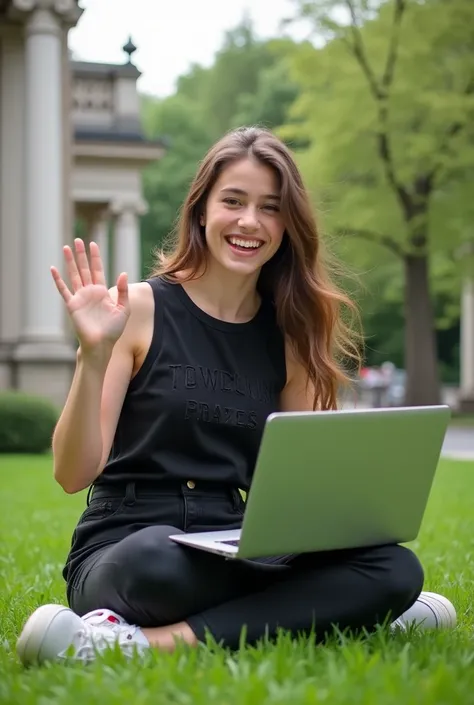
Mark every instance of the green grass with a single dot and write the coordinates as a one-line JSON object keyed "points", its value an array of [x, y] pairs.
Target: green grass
{"points": [[36, 521], [464, 420]]}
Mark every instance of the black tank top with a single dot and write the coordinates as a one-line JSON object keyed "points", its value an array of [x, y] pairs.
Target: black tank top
{"points": [[196, 409]]}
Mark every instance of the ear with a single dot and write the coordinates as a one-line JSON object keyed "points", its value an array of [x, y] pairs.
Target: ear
{"points": [[202, 220]]}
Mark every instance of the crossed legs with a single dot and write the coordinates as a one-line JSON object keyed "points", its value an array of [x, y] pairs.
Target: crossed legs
{"points": [[169, 590]]}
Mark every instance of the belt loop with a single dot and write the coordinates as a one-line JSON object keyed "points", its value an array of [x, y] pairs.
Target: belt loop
{"points": [[130, 497], [89, 491]]}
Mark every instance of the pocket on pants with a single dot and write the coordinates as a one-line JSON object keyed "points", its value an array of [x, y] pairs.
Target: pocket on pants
{"points": [[101, 509]]}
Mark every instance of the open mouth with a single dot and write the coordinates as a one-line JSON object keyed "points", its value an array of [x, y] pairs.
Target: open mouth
{"points": [[244, 245]]}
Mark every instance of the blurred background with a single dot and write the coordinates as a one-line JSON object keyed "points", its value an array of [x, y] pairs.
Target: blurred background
{"points": [[107, 106]]}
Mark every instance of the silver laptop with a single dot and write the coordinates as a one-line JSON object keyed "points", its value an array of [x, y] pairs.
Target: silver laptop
{"points": [[334, 480]]}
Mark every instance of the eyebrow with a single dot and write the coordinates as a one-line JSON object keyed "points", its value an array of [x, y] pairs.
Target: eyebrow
{"points": [[241, 192]]}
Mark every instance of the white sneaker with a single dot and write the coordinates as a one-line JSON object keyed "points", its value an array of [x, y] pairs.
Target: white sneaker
{"points": [[103, 618], [55, 633], [430, 611]]}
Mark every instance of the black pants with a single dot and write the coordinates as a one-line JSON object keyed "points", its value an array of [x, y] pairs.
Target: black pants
{"points": [[122, 559]]}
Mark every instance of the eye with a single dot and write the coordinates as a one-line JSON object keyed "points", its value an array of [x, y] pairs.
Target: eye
{"points": [[272, 207], [232, 201]]}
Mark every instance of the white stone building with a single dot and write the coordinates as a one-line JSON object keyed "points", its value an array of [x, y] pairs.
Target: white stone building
{"points": [[71, 148]]}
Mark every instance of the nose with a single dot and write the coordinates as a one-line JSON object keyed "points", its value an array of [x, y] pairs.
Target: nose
{"points": [[249, 220]]}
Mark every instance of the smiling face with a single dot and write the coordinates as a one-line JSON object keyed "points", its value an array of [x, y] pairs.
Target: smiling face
{"points": [[242, 219]]}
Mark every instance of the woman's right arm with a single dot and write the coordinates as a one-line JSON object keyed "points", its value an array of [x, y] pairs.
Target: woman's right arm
{"points": [[106, 329], [84, 433]]}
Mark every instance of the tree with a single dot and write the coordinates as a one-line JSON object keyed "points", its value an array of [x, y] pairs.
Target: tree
{"points": [[275, 91], [235, 71], [386, 105]]}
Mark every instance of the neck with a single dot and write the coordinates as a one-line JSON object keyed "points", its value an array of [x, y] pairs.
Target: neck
{"points": [[229, 297]]}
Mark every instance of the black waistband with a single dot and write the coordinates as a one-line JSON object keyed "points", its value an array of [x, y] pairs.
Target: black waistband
{"points": [[111, 490]]}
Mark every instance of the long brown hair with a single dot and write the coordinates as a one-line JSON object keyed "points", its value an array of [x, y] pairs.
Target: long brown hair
{"points": [[310, 307]]}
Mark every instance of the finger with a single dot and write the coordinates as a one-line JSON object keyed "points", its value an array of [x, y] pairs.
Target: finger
{"points": [[60, 285], [82, 262], [97, 269], [122, 290], [72, 270]]}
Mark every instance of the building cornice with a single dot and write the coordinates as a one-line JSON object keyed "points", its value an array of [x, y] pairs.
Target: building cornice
{"points": [[66, 11]]}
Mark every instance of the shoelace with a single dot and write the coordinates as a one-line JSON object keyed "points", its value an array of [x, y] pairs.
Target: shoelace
{"points": [[88, 641]]}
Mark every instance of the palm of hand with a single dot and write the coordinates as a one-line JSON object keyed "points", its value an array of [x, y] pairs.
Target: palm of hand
{"points": [[96, 317]]}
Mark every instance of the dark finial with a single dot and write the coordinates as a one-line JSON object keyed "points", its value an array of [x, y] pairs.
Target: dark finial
{"points": [[129, 48]]}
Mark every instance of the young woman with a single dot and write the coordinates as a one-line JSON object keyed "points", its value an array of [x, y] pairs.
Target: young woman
{"points": [[175, 377]]}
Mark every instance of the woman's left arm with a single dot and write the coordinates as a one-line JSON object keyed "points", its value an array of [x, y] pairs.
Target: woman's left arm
{"points": [[298, 393]]}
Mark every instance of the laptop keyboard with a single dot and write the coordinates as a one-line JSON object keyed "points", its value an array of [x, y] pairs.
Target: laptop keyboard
{"points": [[233, 542], [267, 560]]}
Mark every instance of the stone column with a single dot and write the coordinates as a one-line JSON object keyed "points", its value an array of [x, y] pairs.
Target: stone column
{"points": [[12, 175], [127, 244], [44, 202], [44, 343], [466, 401], [99, 233]]}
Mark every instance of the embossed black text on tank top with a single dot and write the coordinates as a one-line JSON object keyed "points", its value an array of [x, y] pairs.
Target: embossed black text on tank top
{"points": [[199, 378]]}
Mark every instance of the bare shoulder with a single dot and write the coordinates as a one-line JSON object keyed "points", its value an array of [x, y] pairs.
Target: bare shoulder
{"points": [[138, 332], [141, 300]]}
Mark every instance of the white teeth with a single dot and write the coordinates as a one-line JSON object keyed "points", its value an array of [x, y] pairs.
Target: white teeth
{"points": [[245, 243]]}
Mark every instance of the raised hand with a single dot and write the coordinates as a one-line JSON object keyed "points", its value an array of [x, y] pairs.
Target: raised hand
{"points": [[98, 320]]}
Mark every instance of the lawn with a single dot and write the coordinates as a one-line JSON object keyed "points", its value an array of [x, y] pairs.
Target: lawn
{"points": [[36, 521], [463, 420]]}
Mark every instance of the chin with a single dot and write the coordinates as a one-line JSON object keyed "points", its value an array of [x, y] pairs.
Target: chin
{"points": [[243, 268]]}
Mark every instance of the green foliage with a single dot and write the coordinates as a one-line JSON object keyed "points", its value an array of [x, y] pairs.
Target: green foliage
{"points": [[26, 423], [235, 71], [275, 91], [429, 127]]}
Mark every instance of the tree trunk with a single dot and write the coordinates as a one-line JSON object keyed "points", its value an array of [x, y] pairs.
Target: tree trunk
{"points": [[421, 359]]}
